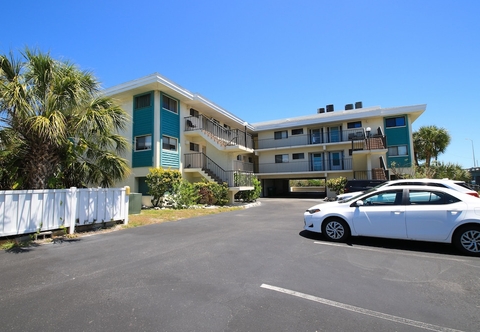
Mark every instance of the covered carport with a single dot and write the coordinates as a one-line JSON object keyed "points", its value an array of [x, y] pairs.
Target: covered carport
{"points": [[285, 187]]}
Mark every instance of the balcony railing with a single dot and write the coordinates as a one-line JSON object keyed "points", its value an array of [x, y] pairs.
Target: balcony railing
{"points": [[325, 164], [313, 138], [241, 166], [357, 136], [233, 178], [224, 136]]}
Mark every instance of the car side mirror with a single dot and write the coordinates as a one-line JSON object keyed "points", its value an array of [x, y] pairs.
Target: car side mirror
{"points": [[357, 203]]}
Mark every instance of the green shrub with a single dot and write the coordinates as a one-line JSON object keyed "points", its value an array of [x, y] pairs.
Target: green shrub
{"points": [[186, 195], [161, 182], [337, 185]]}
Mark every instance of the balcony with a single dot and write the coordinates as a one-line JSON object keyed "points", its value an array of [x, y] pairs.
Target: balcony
{"points": [[223, 136], [325, 164], [357, 137]]}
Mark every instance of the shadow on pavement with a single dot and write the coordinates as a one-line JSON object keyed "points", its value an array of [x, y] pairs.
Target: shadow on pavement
{"points": [[406, 245]]}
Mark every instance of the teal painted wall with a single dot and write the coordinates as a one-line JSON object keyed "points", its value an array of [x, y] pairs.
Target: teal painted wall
{"points": [[170, 126], [142, 125], [398, 136]]}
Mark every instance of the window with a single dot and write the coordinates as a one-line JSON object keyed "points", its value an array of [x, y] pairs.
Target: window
{"points": [[393, 197], [418, 197], [395, 122], [194, 147], [142, 101], [315, 135], [298, 131], [400, 150], [169, 104], [281, 134], [194, 112], [356, 124], [298, 156], [143, 143], [335, 134], [169, 143], [281, 158]]}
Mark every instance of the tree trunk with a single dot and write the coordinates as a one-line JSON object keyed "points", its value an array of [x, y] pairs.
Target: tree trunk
{"points": [[40, 165]]}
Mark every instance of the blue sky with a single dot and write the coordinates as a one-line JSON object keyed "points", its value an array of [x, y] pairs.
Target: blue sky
{"points": [[273, 59]]}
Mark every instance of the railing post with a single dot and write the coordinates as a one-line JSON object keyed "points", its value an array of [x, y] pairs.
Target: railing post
{"points": [[72, 200], [126, 202]]}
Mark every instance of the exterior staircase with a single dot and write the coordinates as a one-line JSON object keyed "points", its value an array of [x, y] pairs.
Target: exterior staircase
{"points": [[378, 174], [374, 143], [212, 175]]}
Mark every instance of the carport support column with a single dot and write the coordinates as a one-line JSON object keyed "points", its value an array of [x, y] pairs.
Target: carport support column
{"points": [[231, 196], [369, 168]]}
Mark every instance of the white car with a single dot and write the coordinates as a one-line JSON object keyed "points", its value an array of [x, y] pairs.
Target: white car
{"points": [[460, 186], [423, 213]]}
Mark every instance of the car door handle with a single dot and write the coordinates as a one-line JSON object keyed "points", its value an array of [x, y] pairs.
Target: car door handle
{"points": [[453, 211], [398, 212]]}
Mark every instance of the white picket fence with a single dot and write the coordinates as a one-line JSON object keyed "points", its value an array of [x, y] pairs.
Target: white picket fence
{"points": [[30, 211]]}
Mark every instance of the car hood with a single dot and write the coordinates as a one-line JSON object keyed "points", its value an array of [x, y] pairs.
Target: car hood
{"points": [[327, 205]]}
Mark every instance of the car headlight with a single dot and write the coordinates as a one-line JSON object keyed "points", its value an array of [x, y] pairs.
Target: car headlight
{"points": [[312, 211]]}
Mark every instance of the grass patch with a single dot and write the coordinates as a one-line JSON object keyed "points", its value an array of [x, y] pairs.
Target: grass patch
{"points": [[148, 217], [11, 244]]}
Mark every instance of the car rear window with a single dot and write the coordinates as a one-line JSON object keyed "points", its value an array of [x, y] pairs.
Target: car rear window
{"points": [[419, 197], [464, 185]]}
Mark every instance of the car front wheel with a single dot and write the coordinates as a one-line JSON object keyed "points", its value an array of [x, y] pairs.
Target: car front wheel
{"points": [[336, 230], [467, 239]]}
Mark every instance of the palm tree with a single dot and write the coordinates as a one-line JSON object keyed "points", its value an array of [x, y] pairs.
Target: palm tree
{"points": [[59, 130], [429, 142]]}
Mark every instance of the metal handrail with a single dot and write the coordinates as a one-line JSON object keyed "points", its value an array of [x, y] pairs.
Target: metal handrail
{"points": [[225, 136], [233, 178]]}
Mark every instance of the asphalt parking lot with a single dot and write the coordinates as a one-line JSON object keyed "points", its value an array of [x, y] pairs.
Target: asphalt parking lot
{"points": [[247, 270]]}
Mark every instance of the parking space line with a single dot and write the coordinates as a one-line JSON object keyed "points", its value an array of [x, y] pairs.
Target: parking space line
{"points": [[384, 251], [362, 311]]}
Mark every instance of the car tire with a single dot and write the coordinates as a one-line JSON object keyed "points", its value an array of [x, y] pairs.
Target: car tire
{"points": [[336, 230], [467, 239]]}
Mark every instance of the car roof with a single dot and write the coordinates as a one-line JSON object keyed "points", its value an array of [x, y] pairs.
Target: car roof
{"points": [[453, 192], [454, 184], [426, 180]]}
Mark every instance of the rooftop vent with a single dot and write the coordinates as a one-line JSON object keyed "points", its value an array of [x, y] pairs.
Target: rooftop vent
{"points": [[330, 108], [321, 110], [348, 107], [358, 104]]}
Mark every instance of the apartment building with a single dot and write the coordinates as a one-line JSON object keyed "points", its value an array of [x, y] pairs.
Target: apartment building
{"points": [[356, 143], [174, 128]]}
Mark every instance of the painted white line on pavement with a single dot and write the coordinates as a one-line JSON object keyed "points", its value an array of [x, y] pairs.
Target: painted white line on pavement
{"points": [[384, 251], [363, 311]]}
